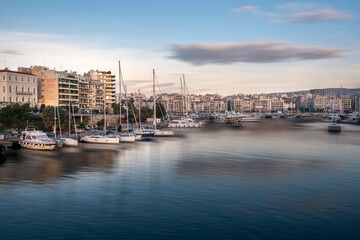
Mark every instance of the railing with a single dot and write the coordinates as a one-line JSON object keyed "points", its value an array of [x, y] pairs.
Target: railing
{"points": [[24, 93]]}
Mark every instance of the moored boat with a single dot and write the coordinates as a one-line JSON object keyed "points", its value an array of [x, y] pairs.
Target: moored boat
{"points": [[37, 140]]}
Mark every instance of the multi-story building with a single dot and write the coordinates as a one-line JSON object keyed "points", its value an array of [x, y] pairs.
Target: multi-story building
{"points": [[60, 88], [18, 87], [96, 96], [39, 72], [110, 84], [241, 105]]}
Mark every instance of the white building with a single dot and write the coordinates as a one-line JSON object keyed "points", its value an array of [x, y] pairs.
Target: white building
{"points": [[18, 87]]}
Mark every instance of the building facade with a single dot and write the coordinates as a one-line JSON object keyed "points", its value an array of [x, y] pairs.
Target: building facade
{"points": [[18, 87]]}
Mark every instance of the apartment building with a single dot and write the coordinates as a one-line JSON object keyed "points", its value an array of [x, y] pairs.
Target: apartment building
{"points": [[18, 87], [109, 80], [61, 88]]}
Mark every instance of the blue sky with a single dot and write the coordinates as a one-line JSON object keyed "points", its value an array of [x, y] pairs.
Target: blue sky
{"points": [[223, 47]]}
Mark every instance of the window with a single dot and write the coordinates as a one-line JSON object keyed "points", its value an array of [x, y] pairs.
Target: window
{"points": [[9, 89], [34, 90], [9, 77], [16, 99], [9, 99], [28, 79], [4, 99], [4, 77], [28, 90], [16, 89], [22, 89], [28, 99], [15, 78], [33, 79], [22, 78], [22, 99]]}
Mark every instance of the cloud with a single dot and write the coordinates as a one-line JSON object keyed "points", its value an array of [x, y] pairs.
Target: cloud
{"points": [[11, 51], [321, 15], [252, 52], [244, 9], [298, 12]]}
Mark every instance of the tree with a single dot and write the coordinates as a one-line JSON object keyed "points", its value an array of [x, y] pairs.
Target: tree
{"points": [[48, 117], [16, 115], [42, 107]]}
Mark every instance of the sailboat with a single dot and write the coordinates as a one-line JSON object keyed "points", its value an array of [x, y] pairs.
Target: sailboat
{"points": [[97, 138], [128, 137], [184, 122], [70, 141], [141, 131], [336, 127], [158, 132]]}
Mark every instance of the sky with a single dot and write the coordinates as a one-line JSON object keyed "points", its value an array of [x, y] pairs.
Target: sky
{"points": [[226, 47]]}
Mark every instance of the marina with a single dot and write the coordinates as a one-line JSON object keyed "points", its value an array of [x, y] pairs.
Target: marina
{"points": [[262, 175]]}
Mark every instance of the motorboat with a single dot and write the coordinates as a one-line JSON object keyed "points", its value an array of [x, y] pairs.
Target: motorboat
{"points": [[250, 118], [184, 123], [335, 117], [353, 117], [144, 133], [35, 139]]}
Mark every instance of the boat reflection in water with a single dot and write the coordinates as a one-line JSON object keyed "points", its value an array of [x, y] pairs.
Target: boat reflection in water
{"points": [[271, 179]]}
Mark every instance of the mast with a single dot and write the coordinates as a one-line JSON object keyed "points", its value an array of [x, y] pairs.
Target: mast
{"points": [[104, 108], [341, 101], [154, 96], [54, 108], [139, 110], [76, 136], [120, 77], [69, 116], [185, 96], [127, 109], [182, 96]]}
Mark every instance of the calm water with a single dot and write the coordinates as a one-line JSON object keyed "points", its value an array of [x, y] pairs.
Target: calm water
{"points": [[274, 179]]}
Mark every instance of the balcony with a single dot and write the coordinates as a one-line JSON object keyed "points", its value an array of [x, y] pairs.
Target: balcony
{"points": [[24, 93]]}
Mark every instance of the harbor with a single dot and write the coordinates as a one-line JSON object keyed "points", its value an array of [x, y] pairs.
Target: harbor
{"points": [[260, 176]]}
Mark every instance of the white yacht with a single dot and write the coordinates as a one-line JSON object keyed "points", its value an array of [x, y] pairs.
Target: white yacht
{"points": [[184, 123], [353, 117], [250, 118], [334, 117], [220, 118], [38, 140], [101, 139]]}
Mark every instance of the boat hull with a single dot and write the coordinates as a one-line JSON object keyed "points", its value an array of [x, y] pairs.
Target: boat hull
{"points": [[38, 146], [127, 139], [100, 140]]}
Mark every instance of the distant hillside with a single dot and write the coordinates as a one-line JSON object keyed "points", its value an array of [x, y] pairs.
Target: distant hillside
{"points": [[345, 91]]}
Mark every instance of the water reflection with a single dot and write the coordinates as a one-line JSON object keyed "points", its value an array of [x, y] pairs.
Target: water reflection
{"points": [[41, 167]]}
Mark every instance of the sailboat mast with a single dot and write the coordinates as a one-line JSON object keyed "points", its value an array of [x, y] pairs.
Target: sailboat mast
{"points": [[127, 109], [104, 108], [54, 108], [120, 77], [69, 117], [185, 96], [139, 110], [182, 96], [154, 96]]}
